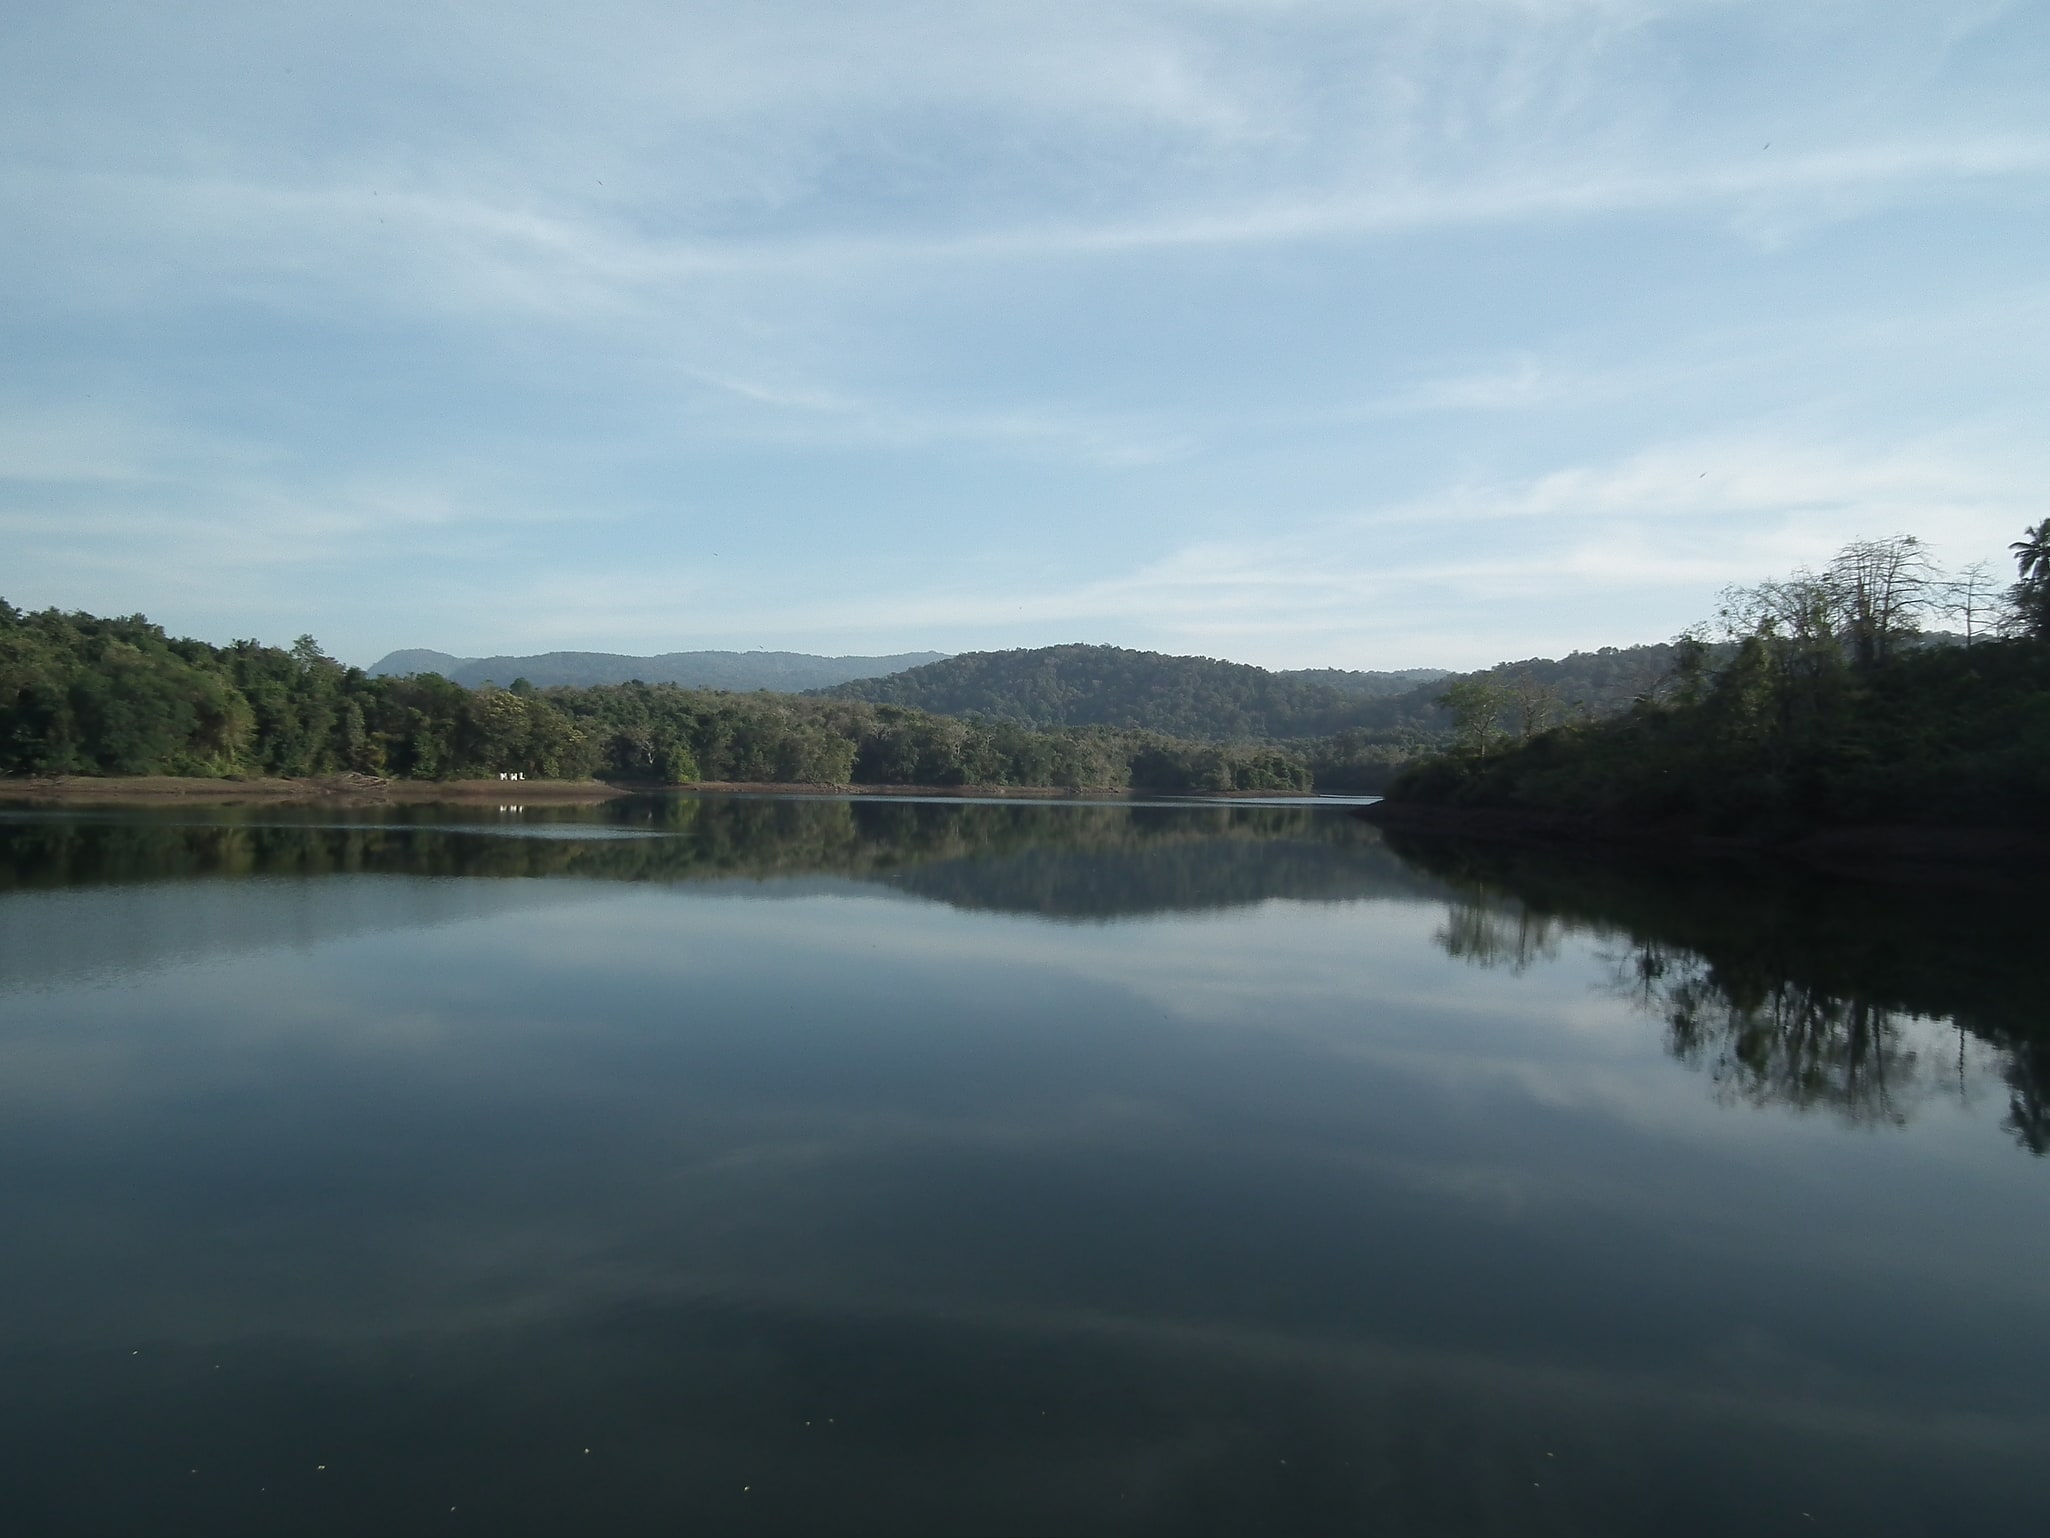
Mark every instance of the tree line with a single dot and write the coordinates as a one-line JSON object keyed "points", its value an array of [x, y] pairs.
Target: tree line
{"points": [[80, 694], [1813, 700]]}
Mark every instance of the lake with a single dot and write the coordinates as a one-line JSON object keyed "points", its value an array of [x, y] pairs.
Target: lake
{"points": [[819, 1166]]}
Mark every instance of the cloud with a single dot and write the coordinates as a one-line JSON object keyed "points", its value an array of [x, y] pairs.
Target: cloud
{"points": [[1479, 572], [789, 147], [1439, 300]]}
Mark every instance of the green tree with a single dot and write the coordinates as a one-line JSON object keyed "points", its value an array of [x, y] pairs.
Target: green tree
{"points": [[2032, 592], [1478, 707]]}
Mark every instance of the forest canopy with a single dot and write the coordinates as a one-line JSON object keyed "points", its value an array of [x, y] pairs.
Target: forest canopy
{"points": [[1819, 697], [92, 696], [1815, 700]]}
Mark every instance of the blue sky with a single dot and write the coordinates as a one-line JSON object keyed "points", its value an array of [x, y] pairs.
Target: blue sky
{"points": [[1364, 335]]}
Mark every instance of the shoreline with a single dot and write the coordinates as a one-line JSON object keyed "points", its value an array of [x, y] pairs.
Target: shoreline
{"points": [[975, 792], [161, 789], [1869, 852]]}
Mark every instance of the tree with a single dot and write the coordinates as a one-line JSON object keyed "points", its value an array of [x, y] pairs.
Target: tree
{"points": [[1800, 611], [2032, 593], [1974, 599], [1880, 589], [1532, 703], [1687, 680], [1477, 705]]}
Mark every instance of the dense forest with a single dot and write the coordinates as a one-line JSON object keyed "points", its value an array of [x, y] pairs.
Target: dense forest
{"points": [[1110, 686], [117, 696], [1200, 697], [93, 696], [1822, 703], [1821, 700]]}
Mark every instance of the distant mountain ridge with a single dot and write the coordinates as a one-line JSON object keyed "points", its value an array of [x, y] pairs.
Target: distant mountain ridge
{"points": [[784, 672]]}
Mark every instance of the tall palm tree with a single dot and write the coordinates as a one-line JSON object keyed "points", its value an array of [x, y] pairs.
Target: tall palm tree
{"points": [[2032, 553], [2032, 593]]}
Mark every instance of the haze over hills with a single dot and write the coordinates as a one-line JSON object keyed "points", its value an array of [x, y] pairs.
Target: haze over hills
{"points": [[784, 672]]}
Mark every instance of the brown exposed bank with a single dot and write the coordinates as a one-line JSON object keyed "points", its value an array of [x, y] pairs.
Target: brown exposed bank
{"points": [[161, 789]]}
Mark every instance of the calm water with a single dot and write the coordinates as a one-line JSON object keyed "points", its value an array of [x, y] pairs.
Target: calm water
{"points": [[796, 1166]]}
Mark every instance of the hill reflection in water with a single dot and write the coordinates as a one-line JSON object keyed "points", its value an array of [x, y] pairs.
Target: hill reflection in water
{"points": [[1058, 861], [1784, 989]]}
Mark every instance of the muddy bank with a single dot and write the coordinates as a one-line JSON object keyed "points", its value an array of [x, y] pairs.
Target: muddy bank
{"points": [[156, 790], [1901, 852]]}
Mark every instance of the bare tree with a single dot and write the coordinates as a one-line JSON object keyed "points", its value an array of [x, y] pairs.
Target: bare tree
{"points": [[1803, 607], [1873, 595], [1975, 597], [1881, 589]]}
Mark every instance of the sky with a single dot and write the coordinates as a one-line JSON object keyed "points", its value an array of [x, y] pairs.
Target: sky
{"points": [[1367, 335]]}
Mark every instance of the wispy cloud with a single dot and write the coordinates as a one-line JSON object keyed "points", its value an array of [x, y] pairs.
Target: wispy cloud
{"points": [[1480, 572], [1310, 329]]}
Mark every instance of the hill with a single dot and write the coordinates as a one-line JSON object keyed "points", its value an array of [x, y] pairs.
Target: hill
{"points": [[1372, 686], [785, 672], [1202, 698], [1778, 744], [1076, 685], [83, 695]]}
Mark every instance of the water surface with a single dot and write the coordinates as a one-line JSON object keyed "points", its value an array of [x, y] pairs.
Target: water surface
{"points": [[814, 1166]]}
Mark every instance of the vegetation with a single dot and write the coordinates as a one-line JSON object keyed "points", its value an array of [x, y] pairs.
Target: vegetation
{"points": [[1354, 729], [90, 696], [1110, 686], [1823, 704]]}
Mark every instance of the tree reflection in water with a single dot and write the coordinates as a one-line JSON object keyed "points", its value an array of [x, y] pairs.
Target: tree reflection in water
{"points": [[1783, 990], [1492, 936], [1780, 1041]]}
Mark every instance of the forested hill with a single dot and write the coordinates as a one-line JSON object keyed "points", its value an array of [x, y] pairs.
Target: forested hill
{"points": [[1112, 686], [1368, 685], [785, 672], [1199, 697], [83, 695], [117, 696]]}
